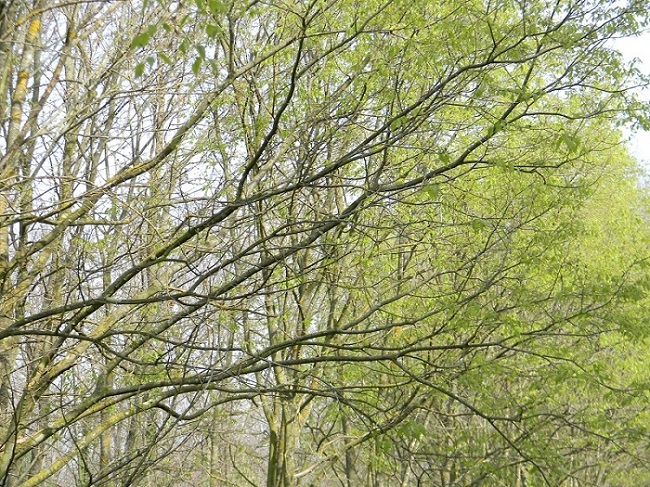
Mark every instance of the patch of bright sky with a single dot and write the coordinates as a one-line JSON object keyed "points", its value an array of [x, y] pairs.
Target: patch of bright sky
{"points": [[639, 48]]}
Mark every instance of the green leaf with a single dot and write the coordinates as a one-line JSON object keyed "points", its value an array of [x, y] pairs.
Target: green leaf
{"points": [[184, 46], [398, 123], [216, 6], [478, 225], [200, 5], [413, 429], [433, 191], [214, 64], [505, 164], [165, 58], [196, 65], [140, 40], [570, 142], [139, 70], [212, 30], [497, 127], [384, 443], [184, 20], [201, 50]]}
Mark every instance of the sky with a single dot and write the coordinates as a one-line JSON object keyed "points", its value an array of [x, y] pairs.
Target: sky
{"points": [[639, 47]]}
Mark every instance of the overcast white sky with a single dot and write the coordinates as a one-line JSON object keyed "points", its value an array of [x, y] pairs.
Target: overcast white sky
{"points": [[631, 48]]}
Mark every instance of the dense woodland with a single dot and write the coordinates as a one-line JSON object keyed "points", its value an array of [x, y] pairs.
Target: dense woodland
{"points": [[322, 243]]}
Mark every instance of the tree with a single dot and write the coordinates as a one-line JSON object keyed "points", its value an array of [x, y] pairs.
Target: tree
{"points": [[322, 238]]}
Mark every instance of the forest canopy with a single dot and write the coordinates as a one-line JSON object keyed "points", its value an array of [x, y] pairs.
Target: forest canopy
{"points": [[322, 242]]}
